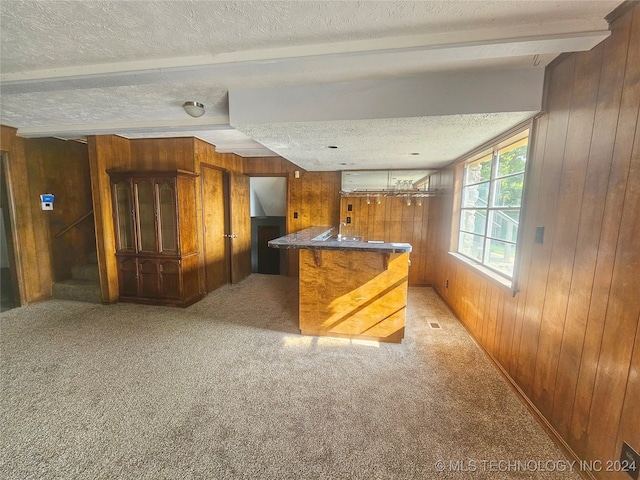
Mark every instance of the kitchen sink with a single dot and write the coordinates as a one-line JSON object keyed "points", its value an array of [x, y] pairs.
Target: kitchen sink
{"points": [[345, 238]]}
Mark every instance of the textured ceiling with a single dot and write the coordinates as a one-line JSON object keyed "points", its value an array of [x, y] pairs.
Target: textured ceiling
{"points": [[75, 68], [50, 34], [382, 143]]}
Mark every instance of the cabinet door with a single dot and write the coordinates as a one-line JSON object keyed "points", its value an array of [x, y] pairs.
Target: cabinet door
{"points": [[128, 273], [170, 279], [146, 206], [149, 278], [125, 237], [168, 217]]}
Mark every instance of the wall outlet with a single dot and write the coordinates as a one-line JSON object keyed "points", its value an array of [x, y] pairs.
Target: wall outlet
{"points": [[348, 219], [295, 214], [446, 284], [349, 207], [539, 234], [630, 461]]}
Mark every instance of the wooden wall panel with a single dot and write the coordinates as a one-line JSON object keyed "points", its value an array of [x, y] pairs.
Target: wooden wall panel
{"points": [[160, 154], [30, 231], [569, 339], [105, 152], [392, 221], [63, 170], [623, 309], [589, 293], [268, 166]]}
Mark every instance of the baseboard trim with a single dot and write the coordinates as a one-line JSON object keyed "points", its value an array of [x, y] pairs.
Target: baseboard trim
{"points": [[541, 419]]}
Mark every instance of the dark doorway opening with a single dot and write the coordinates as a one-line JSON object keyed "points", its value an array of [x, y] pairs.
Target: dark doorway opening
{"points": [[268, 221], [268, 258]]}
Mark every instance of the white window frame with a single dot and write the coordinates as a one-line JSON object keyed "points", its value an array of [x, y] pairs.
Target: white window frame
{"points": [[491, 148]]}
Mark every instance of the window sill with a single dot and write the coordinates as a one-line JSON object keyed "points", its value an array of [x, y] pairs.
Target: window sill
{"points": [[486, 273]]}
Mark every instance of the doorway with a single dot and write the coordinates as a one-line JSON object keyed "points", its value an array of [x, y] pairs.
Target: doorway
{"points": [[268, 221], [9, 292]]}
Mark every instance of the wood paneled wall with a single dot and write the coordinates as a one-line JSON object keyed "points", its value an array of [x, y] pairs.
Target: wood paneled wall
{"points": [[570, 338], [31, 230], [111, 151], [62, 168], [392, 221], [106, 151], [205, 154]]}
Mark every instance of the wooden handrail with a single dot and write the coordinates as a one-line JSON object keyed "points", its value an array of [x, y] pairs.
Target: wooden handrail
{"points": [[66, 229]]}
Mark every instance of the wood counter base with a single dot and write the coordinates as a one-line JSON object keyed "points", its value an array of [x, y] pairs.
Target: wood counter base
{"points": [[353, 294]]}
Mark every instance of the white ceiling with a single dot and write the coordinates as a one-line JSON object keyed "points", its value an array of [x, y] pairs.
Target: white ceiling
{"points": [[377, 79]]}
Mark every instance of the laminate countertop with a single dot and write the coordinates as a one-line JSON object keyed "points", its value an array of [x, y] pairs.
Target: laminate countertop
{"points": [[324, 238]]}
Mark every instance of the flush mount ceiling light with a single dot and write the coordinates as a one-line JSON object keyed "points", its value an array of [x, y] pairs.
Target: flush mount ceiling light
{"points": [[195, 109]]}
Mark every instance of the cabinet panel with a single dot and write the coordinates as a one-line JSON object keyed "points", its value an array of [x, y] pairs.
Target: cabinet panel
{"points": [[123, 200], [147, 234], [170, 273], [128, 269], [149, 278], [168, 220]]}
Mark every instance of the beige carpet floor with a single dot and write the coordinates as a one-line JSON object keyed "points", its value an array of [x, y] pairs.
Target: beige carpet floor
{"points": [[226, 389]]}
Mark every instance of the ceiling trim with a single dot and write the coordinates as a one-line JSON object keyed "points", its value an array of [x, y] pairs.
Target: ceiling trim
{"points": [[123, 128]]}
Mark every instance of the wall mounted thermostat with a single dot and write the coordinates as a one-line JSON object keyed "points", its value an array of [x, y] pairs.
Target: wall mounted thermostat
{"points": [[47, 201]]}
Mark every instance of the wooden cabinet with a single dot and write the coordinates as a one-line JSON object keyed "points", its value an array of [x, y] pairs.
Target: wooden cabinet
{"points": [[156, 237]]}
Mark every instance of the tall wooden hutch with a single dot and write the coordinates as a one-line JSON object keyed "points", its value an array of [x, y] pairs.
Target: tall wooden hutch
{"points": [[156, 236]]}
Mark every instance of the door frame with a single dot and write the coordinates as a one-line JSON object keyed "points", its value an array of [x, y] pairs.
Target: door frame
{"points": [[15, 261], [227, 219], [284, 264]]}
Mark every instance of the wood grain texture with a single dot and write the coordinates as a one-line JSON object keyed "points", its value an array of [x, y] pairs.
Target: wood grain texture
{"points": [[64, 171], [165, 274], [305, 194], [240, 212], [34, 279], [350, 294], [215, 245], [106, 151], [206, 157], [392, 221], [569, 339]]}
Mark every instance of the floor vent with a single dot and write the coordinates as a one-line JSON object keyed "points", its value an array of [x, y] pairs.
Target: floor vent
{"points": [[434, 325]]}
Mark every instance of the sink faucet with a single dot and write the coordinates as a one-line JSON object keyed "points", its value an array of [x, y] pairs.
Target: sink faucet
{"points": [[340, 229]]}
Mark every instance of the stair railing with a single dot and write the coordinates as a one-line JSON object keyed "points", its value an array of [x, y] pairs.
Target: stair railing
{"points": [[72, 225]]}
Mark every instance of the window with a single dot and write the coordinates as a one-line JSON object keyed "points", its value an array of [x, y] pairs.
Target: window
{"points": [[490, 203]]}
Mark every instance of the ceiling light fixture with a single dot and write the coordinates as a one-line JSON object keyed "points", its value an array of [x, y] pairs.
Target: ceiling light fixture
{"points": [[195, 109]]}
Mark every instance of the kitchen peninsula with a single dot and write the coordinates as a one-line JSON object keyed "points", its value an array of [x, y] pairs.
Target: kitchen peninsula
{"points": [[349, 287]]}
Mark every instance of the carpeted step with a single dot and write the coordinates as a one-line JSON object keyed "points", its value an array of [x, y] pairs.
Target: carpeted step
{"points": [[78, 290], [86, 272]]}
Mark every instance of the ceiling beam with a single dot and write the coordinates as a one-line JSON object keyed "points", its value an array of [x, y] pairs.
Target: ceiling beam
{"points": [[410, 51], [514, 90]]}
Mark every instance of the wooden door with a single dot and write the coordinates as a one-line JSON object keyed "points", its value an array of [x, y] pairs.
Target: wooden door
{"points": [[240, 216], [216, 252]]}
